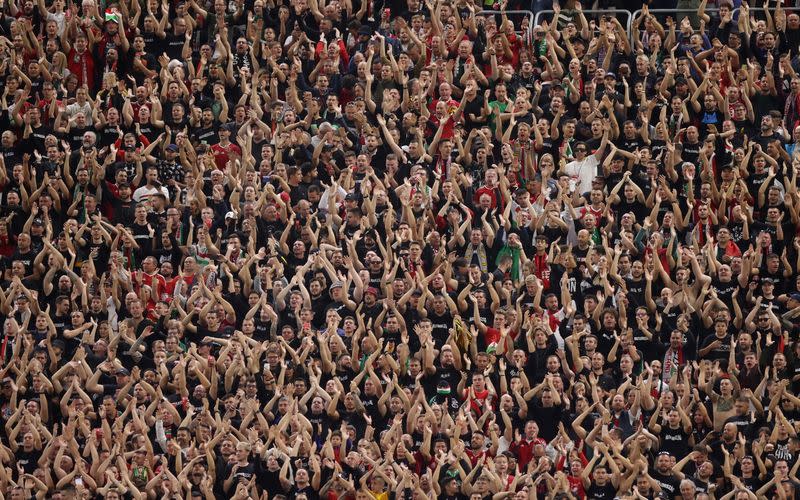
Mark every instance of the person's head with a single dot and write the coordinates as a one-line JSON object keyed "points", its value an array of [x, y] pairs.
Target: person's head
{"points": [[600, 474], [687, 488], [663, 462]]}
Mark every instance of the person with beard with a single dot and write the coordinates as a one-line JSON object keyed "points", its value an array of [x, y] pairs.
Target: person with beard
{"points": [[205, 125], [374, 311], [664, 475], [167, 250], [373, 273]]}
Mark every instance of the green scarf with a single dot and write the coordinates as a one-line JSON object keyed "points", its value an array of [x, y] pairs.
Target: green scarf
{"points": [[597, 237], [514, 253]]}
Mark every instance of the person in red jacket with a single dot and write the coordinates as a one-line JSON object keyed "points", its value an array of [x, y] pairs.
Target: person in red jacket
{"points": [[80, 61]]}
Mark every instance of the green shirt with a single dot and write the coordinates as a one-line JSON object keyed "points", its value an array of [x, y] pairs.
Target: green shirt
{"points": [[497, 107]]}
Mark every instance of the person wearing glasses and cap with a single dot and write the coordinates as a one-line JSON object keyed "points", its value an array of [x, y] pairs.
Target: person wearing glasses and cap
{"points": [[583, 169]]}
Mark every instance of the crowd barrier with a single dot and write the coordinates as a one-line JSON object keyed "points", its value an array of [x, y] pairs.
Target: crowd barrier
{"points": [[516, 16], [627, 17]]}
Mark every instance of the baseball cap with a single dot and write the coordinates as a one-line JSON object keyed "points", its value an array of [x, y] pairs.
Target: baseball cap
{"points": [[372, 290], [173, 148], [610, 74]]}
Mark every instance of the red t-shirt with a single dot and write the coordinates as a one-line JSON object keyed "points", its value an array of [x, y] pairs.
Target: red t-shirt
{"points": [[7, 246], [492, 335], [474, 456], [147, 279], [169, 289], [224, 153], [576, 487], [449, 126]]}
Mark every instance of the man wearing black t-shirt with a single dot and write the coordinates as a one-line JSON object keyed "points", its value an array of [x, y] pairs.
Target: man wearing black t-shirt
{"points": [[665, 477], [600, 486], [213, 328], [717, 347]]}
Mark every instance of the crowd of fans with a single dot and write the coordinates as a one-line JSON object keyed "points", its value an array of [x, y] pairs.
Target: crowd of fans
{"points": [[395, 249]]}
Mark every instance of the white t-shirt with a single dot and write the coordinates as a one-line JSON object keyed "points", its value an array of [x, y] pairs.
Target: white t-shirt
{"points": [[582, 172], [72, 109], [145, 192], [60, 19]]}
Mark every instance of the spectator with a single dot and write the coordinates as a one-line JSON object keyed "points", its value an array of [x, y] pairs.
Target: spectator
{"points": [[383, 250]]}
